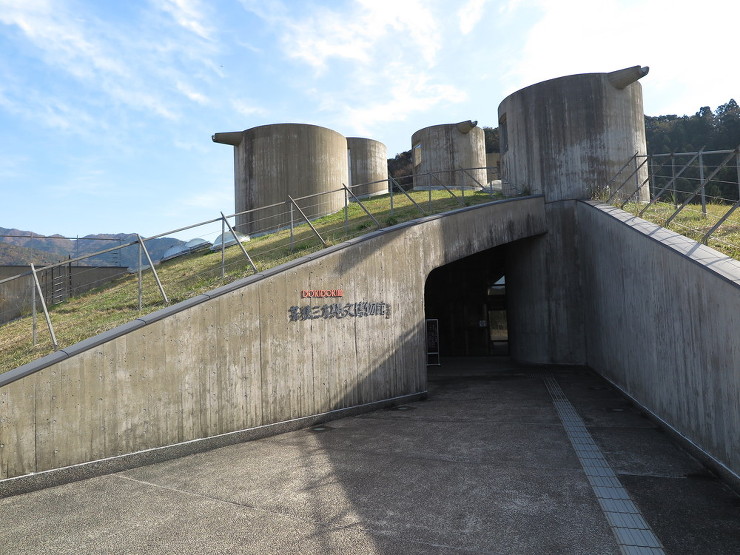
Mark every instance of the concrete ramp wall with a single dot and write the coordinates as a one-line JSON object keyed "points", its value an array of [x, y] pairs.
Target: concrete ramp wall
{"points": [[338, 329], [662, 321]]}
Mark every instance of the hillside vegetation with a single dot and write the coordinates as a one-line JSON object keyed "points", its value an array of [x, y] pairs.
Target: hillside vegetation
{"points": [[182, 278]]}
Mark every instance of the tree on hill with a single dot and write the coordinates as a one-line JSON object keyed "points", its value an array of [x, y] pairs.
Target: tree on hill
{"points": [[400, 165], [718, 130], [492, 139]]}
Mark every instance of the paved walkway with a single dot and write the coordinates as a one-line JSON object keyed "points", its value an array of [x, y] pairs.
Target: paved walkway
{"points": [[499, 459]]}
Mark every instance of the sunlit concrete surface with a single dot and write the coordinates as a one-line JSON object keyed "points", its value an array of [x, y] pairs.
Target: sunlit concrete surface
{"points": [[484, 465]]}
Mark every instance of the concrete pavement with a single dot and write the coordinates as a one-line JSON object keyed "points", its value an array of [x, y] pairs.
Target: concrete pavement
{"points": [[485, 465]]}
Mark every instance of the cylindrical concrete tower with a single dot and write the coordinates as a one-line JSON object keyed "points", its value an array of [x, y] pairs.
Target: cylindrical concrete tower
{"points": [[568, 137], [368, 166], [440, 150], [274, 161]]}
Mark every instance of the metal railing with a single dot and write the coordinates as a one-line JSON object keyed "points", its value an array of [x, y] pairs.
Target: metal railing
{"points": [[266, 236], [694, 193]]}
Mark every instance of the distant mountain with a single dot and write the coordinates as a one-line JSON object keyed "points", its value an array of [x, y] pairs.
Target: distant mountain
{"points": [[12, 255], [60, 248]]}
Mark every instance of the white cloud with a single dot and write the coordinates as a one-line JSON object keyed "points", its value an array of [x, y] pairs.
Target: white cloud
{"points": [[244, 108], [189, 14], [353, 34], [191, 94], [470, 14], [61, 38], [582, 36], [93, 62], [417, 93]]}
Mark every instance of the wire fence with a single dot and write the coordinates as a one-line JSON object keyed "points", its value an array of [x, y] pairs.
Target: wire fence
{"points": [[696, 194], [46, 308]]}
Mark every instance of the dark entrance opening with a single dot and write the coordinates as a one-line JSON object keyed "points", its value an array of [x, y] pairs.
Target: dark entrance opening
{"points": [[468, 299]]}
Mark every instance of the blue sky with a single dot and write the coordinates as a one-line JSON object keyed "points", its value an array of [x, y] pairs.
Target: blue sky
{"points": [[107, 107]]}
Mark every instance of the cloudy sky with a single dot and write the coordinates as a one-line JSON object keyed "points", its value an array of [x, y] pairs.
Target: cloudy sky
{"points": [[107, 107]]}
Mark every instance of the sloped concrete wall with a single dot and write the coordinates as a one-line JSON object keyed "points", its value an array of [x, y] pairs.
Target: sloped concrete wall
{"points": [[662, 322], [250, 354]]}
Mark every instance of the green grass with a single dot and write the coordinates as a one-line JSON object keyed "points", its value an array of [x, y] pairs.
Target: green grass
{"points": [[185, 277], [692, 223]]}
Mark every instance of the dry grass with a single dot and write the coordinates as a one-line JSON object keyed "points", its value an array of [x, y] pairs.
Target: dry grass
{"points": [[185, 277], [692, 223]]}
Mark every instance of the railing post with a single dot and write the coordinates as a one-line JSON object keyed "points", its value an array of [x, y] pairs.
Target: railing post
{"points": [[446, 188], [673, 179], [292, 246], [390, 187], [347, 190], [154, 271], [409, 197], [737, 167], [46, 312], [703, 186], [637, 176], [308, 221], [700, 188], [34, 325], [346, 207], [238, 242], [223, 250], [141, 284]]}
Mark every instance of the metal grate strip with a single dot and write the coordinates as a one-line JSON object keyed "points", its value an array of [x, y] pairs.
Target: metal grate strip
{"points": [[632, 532]]}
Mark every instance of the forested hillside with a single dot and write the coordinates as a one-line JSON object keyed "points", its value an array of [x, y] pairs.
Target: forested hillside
{"points": [[23, 247], [718, 130]]}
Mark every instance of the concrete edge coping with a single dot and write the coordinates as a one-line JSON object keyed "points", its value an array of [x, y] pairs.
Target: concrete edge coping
{"points": [[86, 344], [74, 473], [723, 266]]}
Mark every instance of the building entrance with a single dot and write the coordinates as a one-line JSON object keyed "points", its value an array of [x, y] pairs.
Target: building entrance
{"points": [[468, 299]]}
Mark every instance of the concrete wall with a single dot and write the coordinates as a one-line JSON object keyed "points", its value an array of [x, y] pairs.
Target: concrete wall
{"points": [[493, 166], [662, 321], [274, 161], [368, 166], [233, 359], [544, 292], [448, 148], [568, 137]]}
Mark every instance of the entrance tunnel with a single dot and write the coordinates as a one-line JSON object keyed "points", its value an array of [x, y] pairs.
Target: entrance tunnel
{"points": [[465, 306]]}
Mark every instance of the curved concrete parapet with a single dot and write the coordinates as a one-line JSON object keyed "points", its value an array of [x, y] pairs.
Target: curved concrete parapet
{"points": [[368, 166], [568, 137], [274, 161], [249, 355], [442, 149]]}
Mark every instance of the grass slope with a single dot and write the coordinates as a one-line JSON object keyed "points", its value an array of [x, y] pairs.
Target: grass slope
{"points": [[185, 277]]}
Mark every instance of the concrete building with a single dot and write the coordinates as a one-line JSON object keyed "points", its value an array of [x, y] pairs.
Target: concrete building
{"points": [[493, 166], [274, 161], [344, 330], [368, 166], [440, 149], [569, 136]]}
